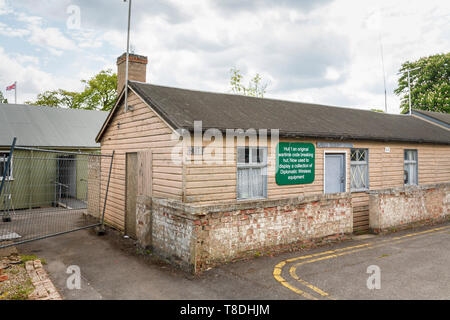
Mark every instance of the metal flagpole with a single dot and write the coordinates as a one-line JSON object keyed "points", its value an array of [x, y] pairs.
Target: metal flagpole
{"points": [[128, 49], [15, 92]]}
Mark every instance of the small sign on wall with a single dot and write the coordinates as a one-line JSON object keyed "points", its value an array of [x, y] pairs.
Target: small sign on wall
{"points": [[334, 145], [295, 163], [387, 149]]}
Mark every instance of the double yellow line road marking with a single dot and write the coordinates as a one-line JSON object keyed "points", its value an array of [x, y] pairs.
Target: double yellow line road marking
{"points": [[302, 287]]}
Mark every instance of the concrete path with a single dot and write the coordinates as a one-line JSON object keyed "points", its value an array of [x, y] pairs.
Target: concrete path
{"points": [[412, 264]]}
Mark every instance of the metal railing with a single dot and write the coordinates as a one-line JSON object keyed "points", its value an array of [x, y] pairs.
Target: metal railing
{"points": [[51, 192]]}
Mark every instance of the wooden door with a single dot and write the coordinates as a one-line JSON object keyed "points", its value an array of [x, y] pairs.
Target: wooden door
{"points": [[131, 193], [334, 172]]}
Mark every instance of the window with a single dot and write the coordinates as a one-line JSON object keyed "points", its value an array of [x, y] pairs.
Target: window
{"points": [[359, 169], [251, 172], [410, 173], [3, 160]]}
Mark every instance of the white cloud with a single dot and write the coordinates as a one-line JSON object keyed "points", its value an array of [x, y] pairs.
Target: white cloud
{"points": [[324, 52], [4, 8], [51, 38], [30, 78], [7, 31]]}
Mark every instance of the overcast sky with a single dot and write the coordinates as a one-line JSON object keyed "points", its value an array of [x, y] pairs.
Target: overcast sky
{"points": [[319, 51]]}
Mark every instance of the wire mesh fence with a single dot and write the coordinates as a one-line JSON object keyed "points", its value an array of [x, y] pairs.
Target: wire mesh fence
{"points": [[48, 192]]}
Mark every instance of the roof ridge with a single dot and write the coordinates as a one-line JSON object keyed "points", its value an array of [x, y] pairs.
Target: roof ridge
{"points": [[270, 99], [36, 106]]}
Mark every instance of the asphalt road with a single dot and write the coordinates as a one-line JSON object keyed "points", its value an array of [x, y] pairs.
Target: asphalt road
{"points": [[410, 264]]}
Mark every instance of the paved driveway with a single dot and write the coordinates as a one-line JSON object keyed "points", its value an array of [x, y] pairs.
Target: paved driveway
{"points": [[411, 264]]}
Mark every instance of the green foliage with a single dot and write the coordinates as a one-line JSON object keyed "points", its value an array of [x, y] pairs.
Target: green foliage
{"points": [[377, 110], [2, 98], [255, 87], [99, 94], [100, 91], [430, 85], [58, 98]]}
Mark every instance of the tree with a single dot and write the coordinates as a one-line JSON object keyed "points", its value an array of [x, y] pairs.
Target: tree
{"points": [[99, 94], [100, 91], [57, 98], [430, 84], [255, 87], [2, 98]]}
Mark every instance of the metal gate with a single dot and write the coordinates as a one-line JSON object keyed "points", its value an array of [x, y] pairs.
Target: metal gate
{"points": [[45, 193]]}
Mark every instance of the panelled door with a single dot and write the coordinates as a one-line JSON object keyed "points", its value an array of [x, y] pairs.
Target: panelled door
{"points": [[334, 172]]}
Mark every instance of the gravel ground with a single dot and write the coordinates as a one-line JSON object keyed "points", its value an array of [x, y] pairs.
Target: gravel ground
{"points": [[18, 285]]}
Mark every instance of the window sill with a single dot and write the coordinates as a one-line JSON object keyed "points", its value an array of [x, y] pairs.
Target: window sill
{"points": [[359, 190], [251, 199]]}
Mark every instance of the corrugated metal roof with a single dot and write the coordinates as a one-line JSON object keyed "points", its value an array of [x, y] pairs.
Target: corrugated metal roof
{"points": [[39, 126]]}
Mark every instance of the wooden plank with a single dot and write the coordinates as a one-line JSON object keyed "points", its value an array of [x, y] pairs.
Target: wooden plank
{"points": [[131, 192], [145, 179]]}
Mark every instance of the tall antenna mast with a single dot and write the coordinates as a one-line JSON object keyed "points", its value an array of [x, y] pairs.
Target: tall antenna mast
{"points": [[384, 73], [128, 49]]}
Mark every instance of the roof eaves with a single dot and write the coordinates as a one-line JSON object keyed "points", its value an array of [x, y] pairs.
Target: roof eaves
{"points": [[155, 106], [326, 135], [108, 118]]}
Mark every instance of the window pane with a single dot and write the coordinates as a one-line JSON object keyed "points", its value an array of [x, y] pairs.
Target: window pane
{"points": [[243, 191], [359, 169], [255, 155], [359, 177], [241, 154], [353, 155], [3, 160], [251, 179], [411, 155], [410, 167], [256, 182]]}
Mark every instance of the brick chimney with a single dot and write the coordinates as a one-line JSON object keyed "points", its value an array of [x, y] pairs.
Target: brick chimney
{"points": [[137, 66]]}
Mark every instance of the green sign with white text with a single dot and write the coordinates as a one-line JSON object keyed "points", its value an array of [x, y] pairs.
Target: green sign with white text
{"points": [[295, 163]]}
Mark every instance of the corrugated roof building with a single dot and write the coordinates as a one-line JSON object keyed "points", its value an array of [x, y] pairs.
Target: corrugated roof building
{"points": [[40, 126]]}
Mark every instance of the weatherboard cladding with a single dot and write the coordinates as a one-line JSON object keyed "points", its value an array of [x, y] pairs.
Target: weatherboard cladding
{"points": [[181, 107], [39, 126]]}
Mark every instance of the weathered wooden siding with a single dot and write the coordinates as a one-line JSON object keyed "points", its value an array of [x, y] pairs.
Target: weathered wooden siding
{"points": [[205, 181], [209, 182], [134, 131], [213, 182]]}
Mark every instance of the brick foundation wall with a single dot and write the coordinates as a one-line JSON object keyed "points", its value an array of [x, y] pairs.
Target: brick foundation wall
{"points": [[198, 237], [174, 232], [401, 207]]}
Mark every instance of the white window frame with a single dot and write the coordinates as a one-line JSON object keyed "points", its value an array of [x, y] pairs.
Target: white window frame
{"points": [[325, 152], [359, 163], [416, 162], [251, 165], [4, 159]]}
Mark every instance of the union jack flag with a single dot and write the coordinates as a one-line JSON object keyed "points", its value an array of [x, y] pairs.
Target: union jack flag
{"points": [[11, 87]]}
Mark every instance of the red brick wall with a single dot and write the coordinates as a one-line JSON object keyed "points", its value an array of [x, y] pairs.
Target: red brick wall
{"points": [[197, 237], [400, 207]]}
